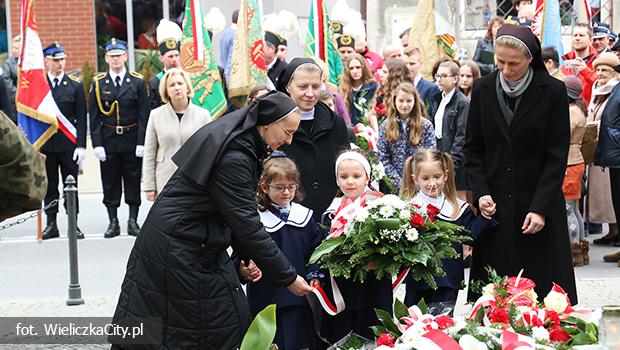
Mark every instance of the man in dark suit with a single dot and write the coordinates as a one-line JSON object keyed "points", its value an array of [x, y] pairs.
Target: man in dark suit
{"points": [[119, 112], [270, 50], [427, 89], [61, 152]]}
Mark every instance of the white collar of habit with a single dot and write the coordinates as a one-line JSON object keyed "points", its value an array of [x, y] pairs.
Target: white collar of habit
{"points": [[442, 203], [299, 216]]}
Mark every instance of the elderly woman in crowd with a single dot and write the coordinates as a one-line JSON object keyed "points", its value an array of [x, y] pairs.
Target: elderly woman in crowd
{"points": [[170, 125], [608, 152], [516, 152], [321, 136], [599, 207], [180, 281], [485, 51]]}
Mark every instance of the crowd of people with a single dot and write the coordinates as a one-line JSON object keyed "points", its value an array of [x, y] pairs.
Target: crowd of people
{"points": [[521, 145]]}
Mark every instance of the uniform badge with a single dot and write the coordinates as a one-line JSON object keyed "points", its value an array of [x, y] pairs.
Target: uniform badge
{"points": [[107, 81], [64, 83], [129, 81]]}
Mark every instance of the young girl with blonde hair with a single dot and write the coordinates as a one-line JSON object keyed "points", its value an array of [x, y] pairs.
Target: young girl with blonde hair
{"points": [[428, 179], [404, 131]]}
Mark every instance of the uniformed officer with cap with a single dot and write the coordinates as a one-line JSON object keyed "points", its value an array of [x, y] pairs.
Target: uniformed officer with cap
{"points": [[274, 65], [169, 39], [600, 37], [119, 110], [346, 46], [61, 153]]}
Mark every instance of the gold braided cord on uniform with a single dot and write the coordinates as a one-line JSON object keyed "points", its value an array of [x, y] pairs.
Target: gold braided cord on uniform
{"points": [[114, 105]]}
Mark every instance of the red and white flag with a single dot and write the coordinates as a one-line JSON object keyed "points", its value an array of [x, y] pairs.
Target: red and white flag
{"points": [[583, 11], [38, 115]]}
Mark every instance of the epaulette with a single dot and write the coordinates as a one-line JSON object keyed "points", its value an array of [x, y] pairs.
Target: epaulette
{"points": [[136, 74], [99, 76], [74, 78]]}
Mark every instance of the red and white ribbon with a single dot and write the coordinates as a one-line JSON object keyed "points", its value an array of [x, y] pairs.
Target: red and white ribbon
{"points": [[332, 308]]}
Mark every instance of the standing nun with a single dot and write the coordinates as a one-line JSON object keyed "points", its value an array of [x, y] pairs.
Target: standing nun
{"points": [[321, 137], [516, 152], [180, 279]]}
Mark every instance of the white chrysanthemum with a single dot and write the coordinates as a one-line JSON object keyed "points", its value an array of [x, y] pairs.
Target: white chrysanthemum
{"points": [[378, 171], [412, 234], [404, 214], [540, 333], [361, 214], [386, 211]]}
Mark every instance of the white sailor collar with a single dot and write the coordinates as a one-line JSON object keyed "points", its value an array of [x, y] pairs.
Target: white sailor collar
{"points": [[299, 216], [443, 204]]}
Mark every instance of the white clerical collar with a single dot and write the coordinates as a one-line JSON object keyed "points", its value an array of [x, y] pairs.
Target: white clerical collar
{"points": [[121, 75], [299, 216], [309, 115], [59, 76], [417, 79]]}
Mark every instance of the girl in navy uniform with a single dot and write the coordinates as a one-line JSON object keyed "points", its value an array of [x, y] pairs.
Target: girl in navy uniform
{"points": [[353, 176], [297, 234], [428, 178]]}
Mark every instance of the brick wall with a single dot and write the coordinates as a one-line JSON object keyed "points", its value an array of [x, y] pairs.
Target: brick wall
{"points": [[70, 22]]}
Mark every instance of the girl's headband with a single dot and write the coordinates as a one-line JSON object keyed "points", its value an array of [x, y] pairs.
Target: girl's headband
{"points": [[351, 155]]}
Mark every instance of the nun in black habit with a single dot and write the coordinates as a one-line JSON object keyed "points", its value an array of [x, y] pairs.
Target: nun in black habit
{"points": [[321, 137], [516, 152], [180, 279]]}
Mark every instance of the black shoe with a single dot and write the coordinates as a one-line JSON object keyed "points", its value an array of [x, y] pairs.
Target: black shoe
{"points": [[114, 229], [80, 235], [50, 231], [132, 227], [607, 239]]}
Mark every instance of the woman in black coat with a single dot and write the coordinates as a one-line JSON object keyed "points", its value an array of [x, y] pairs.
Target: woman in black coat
{"points": [[322, 134], [180, 281], [516, 152]]}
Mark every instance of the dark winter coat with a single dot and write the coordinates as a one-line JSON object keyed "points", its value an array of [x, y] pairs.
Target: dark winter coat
{"points": [[315, 154], [608, 147], [522, 167], [485, 56], [179, 270], [453, 133]]}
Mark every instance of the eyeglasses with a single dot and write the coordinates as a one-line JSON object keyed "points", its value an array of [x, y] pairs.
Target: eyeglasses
{"points": [[288, 133], [442, 76], [282, 188]]}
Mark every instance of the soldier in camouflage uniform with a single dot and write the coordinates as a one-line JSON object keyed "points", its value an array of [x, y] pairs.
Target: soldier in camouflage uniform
{"points": [[23, 182]]}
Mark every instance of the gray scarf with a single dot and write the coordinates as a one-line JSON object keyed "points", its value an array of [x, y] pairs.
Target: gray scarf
{"points": [[512, 90]]}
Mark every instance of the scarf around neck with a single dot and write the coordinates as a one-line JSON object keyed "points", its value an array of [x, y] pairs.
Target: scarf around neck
{"points": [[504, 90]]}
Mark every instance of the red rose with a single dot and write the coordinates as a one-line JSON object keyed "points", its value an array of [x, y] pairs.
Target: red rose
{"points": [[444, 321], [431, 210], [379, 109], [417, 220], [559, 335], [499, 315], [552, 317], [532, 320], [386, 339]]}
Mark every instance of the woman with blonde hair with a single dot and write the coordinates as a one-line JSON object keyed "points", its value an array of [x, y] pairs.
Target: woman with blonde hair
{"points": [[169, 126], [358, 86]]}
